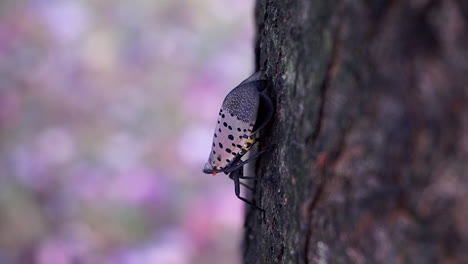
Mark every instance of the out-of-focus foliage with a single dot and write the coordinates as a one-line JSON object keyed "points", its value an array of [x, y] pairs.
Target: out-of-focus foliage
{"points": [[106, 116]]}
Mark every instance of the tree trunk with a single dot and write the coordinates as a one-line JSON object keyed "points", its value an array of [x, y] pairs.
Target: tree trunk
{"points": [[370, 163]]}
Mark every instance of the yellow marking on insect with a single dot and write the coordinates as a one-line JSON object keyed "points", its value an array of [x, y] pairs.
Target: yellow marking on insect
{"points": [[248, 144]]}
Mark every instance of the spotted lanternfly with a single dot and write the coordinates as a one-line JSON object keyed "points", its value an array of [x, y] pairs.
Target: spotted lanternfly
{"points": [[245, 110]]}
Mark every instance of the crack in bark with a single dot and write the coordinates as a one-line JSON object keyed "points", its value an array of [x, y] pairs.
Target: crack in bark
{"points": [[331, 158], [332, 69], [310, 208], [389, 9]]}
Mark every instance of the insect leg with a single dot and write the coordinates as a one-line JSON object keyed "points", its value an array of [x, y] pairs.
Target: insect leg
{"points": [[235, 177], [242, 163], [255, 178], [241, 183], [246, 186]]}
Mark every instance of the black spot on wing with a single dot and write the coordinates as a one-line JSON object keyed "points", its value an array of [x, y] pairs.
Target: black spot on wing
{"points": [[231, 137]]}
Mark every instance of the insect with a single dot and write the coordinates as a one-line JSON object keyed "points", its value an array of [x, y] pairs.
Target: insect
{"points": [[244, 111]]}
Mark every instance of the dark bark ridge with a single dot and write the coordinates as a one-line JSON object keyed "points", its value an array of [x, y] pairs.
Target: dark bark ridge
{"points": [[371, 133]]}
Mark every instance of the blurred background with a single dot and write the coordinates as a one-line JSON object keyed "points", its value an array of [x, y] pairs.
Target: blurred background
{"points": [[107, 109]]}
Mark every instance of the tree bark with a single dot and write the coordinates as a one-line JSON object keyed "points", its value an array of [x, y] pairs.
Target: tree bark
{"points": [[370, 163]]}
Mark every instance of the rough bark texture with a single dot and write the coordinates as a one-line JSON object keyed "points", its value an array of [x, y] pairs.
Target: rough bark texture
{"points": [[371, 133]]}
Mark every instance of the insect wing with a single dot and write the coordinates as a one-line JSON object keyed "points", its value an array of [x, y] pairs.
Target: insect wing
{"points": [[235, 125]]}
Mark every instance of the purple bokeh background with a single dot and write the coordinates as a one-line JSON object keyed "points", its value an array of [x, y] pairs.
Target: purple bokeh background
{"points": [[107, 110]]}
